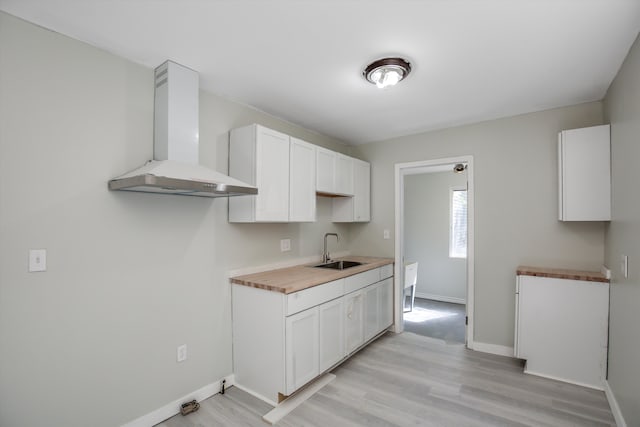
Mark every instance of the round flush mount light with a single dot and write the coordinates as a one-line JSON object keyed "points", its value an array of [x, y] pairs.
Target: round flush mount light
{"points": [[387, 71]]}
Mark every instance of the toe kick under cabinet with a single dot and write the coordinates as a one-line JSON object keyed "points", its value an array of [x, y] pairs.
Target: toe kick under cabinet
{"points": [[283, 341]]}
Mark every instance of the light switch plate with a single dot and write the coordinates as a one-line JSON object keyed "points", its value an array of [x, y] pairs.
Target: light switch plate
{"points": [[181, 353], [37, 260]]}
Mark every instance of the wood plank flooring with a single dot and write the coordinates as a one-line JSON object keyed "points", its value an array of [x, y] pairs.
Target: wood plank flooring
{"points": [[411, 380]]}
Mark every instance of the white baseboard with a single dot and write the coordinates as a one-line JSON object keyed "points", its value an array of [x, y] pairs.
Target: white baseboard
{"points": [[441, 298], [173, 408], [613, 403], [500, 350]]}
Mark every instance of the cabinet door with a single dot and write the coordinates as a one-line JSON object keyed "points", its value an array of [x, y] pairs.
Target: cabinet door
{"points": [[325, 170], [331, 333], [385, 298], [584, 174], [354, 333], [361, 191], [358, 207], [371, 310], [344, 175], [272, 167], [301, 357], [302, 188]]}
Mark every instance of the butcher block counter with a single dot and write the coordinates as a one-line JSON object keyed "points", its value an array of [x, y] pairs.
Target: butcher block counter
{"points": [[560, 273], [294, 279]]}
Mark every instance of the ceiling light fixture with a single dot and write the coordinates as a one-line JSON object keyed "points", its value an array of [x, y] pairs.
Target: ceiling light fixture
{"points": [[387, 71]]}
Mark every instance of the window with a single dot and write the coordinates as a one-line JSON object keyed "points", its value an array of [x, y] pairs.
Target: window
{"points": [[458, 223]]}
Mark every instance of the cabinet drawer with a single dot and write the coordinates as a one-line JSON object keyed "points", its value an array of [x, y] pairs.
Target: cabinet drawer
{"points": [[360, 280], [316, 295], [386, 271]]}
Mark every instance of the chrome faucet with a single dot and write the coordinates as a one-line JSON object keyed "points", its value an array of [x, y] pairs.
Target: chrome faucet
{"points": [[325, 254]]}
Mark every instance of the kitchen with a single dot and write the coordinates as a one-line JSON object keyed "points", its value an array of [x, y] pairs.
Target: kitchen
{"points": [[130, 277]]}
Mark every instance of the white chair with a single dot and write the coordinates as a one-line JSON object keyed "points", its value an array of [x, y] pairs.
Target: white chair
{"points": [[410, 280]]}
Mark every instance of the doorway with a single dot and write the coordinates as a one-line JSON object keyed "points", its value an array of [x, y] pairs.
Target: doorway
{"points": [[446, 265]]}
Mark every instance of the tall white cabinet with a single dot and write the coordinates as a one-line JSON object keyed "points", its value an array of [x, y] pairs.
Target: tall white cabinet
{"points": [[584, 174], [283, 169], [562, 328]]}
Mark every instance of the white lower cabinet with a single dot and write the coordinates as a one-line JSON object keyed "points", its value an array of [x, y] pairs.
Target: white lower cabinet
{"points": [[331, 333], [283, 341], [371, 311], [378, 308], [385, 299], [562, 329], [354, 332], [302, 344]]}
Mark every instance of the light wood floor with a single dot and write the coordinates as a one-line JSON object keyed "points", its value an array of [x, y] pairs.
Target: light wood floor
{"points": [[411, 380]]}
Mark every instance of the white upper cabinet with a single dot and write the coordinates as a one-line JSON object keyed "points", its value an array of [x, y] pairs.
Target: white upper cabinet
{"points": [[584, 168], [302, 181], [334, 173], [282, 168], [325, 170], [260, 156], [344, 175], [358, 207]]}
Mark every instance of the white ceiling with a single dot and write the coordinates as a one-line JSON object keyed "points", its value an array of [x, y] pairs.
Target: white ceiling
{"points": [[301, 60]]}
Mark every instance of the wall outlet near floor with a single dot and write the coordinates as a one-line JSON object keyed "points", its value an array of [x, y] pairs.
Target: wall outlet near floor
{"points": [[285, 245], [386, 234], [181, 353]]}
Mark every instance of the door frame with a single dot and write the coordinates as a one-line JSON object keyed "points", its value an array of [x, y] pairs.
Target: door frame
{"points": [[401, 170]]}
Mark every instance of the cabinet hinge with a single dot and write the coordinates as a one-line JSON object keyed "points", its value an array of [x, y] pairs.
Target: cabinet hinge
{"points": [[466, 320]]}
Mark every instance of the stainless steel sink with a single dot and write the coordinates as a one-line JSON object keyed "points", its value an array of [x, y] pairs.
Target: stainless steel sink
{"points": [[339, 265]]}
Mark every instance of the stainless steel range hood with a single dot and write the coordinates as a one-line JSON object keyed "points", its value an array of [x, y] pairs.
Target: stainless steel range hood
{"points": [[175, 168]]}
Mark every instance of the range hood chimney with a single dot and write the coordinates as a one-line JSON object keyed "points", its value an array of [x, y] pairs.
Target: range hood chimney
{"points": [[175, 168]]}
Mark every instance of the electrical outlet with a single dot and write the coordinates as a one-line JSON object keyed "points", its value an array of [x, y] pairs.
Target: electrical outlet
{"points": [[285, 245], [37, 260], [181, 353], [386, 234]]}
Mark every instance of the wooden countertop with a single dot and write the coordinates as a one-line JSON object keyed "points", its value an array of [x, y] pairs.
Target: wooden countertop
{"points": [[294, 279], [559, 273]]}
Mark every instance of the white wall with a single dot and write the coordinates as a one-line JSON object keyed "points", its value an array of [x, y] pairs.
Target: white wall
{"points": [[426, 235], [516, 184], [92, 341], [622, 109]]}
